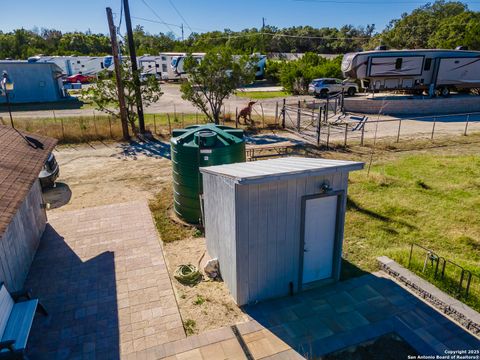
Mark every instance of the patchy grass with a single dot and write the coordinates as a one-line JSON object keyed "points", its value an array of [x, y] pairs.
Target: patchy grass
{"points": [[259, 95], [429, 199], [170, 230], [99, 126], [190, 326]]}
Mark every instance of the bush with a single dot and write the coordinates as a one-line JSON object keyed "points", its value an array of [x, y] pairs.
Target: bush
{"points": [[272, 70], [296, 75]]}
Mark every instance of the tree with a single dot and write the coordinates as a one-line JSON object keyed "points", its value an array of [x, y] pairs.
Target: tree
{"points": [[414, 30], [215, 78], [296, 75], [104, 94]]}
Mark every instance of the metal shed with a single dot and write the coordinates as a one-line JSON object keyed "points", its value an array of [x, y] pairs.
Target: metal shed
{"points": [[33, 82], [276, 226]]}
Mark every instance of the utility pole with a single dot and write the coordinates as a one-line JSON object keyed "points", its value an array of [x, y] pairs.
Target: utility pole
{"points": [[182, 33], [118, 75], [133, 60]]}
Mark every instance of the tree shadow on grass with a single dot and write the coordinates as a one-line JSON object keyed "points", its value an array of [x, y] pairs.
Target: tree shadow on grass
{"points": [[352, 205]]}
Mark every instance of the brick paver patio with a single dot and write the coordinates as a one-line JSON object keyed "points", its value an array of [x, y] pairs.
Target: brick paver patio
{"points": [[102, 276], [323, 320]]}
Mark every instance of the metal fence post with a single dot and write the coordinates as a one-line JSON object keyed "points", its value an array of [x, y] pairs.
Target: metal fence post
{"points": [[283, 114], [363, 134], [276, 113], [319, 125], [399, 126], [169, 124], [263, 116], [328, 106], [95, 124], [328, 135], [433, 128], [155, 123], [236, 117], [298, 116], [346, 132], [110, 126], [466, 125]]}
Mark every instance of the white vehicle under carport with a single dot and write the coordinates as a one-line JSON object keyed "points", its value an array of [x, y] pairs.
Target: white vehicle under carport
{"points": [[323, 87]]}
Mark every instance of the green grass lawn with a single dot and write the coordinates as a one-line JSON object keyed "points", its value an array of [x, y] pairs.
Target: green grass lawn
{"points": [[432, 200], [259, 95]]}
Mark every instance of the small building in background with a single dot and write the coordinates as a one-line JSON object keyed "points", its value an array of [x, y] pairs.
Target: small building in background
{"points": [[276, 226], [22, 210], [33, 82]]}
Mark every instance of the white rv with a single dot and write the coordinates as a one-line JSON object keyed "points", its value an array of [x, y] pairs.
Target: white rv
{"points": [[168, 62], [417, 70], [259, 71], [73, 65]]}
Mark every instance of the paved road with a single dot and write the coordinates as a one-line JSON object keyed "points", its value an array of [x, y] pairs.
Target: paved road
{"points": [[170, 101]]}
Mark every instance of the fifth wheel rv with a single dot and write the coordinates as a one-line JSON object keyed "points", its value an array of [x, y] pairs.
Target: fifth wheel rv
{"points": [[437, 71]]}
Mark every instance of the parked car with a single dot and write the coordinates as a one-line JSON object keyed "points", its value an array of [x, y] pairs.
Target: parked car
{"points": [[324, 86], [79, 78], [49, 172]]}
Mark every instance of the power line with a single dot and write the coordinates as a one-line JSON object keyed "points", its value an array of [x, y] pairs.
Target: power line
{"points": [[156, 21], [263, 33], [158, 16], [362, 2], [179, 14], [165, 23]]}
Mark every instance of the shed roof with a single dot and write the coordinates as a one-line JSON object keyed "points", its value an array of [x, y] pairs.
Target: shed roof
{"points": [[20, 164], [281, 169]]}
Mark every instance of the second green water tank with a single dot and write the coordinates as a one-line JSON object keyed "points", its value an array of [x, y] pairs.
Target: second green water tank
{"points": [[198, 146]]}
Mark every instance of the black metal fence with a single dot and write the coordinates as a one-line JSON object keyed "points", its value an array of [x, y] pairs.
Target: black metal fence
{"points": [[446, 274]]}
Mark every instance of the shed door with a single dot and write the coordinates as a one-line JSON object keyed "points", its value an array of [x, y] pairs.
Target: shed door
{"points": [[319, 238]]}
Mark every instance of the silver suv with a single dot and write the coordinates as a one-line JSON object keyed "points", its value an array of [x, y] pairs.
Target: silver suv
{"points": [[325, 86]]}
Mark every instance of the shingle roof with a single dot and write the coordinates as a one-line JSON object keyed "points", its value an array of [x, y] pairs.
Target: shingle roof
{"points": [[20, 164]]}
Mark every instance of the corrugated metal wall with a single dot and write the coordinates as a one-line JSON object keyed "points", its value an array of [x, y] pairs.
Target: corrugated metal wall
{"points": [[267, 232], [219, 209], [32, 82], [20, 240]]}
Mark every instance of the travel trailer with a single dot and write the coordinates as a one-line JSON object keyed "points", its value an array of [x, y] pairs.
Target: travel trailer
{"points": [[178, 66], [156, 65], [438, 71], [73, 65], [168, 62], [178, 63]]}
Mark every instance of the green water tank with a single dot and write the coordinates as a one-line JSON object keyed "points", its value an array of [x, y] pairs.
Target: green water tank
{"points": [[198, 146]]}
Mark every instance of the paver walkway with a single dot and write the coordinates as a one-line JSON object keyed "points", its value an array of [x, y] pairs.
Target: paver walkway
{"points": [[323, 320], [101, 274]]}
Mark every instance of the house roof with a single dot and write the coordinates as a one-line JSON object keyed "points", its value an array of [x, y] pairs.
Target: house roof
{"points": [[281, 169], [20, 164]]}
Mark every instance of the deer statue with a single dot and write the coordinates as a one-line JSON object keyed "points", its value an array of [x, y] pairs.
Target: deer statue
{"points": [[246, 112]]}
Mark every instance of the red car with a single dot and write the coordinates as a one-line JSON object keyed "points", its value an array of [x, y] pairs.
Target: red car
{"points": [[79, 78]]}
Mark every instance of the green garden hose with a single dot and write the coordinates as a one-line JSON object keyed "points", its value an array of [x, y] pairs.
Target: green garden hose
{"points": [[187, 274]]}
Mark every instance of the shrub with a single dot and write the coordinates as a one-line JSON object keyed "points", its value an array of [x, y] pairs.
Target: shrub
{"points": [[296, 75]]}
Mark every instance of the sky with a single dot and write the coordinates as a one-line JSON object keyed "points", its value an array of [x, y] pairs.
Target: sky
{"points": [[203, 15]]}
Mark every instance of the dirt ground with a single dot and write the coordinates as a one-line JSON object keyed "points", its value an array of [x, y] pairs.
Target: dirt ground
{"points": [[208, 303], [107, 173]]}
